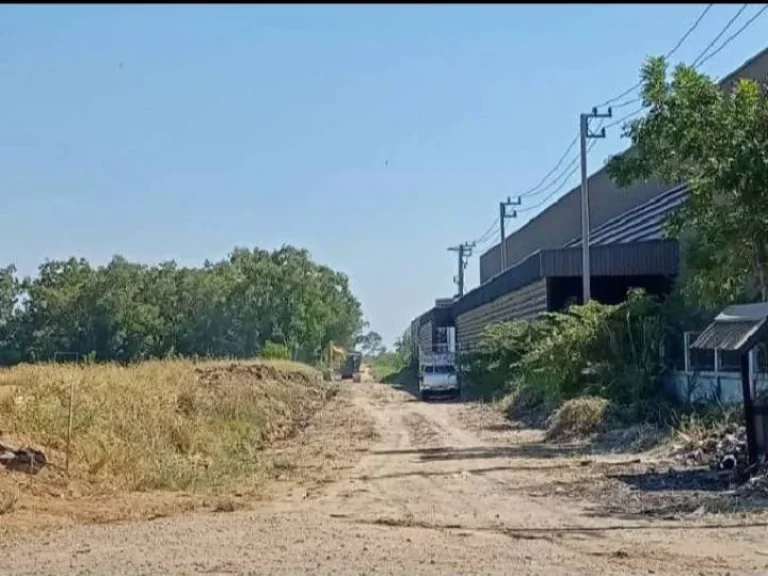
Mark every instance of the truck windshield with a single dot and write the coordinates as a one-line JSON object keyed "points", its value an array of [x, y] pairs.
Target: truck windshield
{"points": [[439, 370]]}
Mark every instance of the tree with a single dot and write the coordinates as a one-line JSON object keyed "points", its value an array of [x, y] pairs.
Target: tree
{"points": [[370, 343], [717, 142], [126, 311]]}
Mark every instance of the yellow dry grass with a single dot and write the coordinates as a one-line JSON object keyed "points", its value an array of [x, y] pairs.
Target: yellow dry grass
{"points": [[172, 426], [578, 418]]}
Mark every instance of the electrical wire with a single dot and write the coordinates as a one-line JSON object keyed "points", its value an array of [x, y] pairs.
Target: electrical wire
{"points": [[559, 188], [570, 169], [733, 36], [540, 187], [492, 229], [669, 54], [720, 34]]}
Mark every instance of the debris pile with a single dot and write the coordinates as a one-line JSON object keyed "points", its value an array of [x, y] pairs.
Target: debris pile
{"points": [[28, 460], [722, 449]]}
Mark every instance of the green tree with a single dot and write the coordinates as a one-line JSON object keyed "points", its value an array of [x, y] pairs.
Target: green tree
{"points": [[717, 142], [370, 343], [126, 311]]}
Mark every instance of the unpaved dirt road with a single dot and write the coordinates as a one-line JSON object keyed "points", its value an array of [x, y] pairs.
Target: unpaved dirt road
{"points": [[439, 491]]}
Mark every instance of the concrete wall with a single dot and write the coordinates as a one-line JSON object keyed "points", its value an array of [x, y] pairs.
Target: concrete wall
{"points": [[527, 302], [561, 222], [724, 387]]}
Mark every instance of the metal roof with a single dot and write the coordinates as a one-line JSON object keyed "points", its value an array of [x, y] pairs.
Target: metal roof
{"points": [[735, 329], [641, 223]]}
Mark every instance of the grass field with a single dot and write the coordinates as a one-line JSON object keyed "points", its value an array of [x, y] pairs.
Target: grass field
{"points": [[169, 426]]}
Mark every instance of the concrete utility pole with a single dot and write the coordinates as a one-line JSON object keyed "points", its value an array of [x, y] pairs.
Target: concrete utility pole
{"points": [[502, 220], [464, 251], [585, 133]]}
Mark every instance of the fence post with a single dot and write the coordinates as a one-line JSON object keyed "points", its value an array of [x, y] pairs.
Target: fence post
{"points": [[687, 351], [69, 423]]}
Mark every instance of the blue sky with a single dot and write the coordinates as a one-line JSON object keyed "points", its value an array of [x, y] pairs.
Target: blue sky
{"points": [[375, 136]]}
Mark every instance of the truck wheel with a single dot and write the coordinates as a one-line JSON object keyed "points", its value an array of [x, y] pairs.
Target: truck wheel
{"points": [[424, 395]]}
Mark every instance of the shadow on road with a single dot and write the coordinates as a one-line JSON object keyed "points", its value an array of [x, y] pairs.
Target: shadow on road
{"points": [[532, 450]]}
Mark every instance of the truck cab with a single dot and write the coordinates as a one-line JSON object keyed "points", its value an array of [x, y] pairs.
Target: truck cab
{"points": [[438, 379]]}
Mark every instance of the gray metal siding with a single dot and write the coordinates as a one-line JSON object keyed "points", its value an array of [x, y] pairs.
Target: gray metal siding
{"points": [[425, 336], [634, 259], [639, 224], [560, 223], [525, 303]]}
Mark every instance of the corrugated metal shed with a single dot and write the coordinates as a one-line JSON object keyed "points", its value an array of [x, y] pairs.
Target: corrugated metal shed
{"points": [[735, 329], [638, 224]]}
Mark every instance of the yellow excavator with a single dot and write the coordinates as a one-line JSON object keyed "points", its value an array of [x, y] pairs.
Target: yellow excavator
{"points": [[340, 363]]}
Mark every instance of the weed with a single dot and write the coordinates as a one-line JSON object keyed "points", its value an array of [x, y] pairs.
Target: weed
{"points": [[174, 425]]}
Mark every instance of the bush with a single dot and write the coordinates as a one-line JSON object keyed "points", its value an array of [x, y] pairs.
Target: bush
{"points": [[614, 352], [275, 351], [578, 417]]}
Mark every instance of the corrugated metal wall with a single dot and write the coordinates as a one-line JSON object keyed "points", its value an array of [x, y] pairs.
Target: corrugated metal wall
{"points": [[660, 257], [527, 302], [425, 335]]}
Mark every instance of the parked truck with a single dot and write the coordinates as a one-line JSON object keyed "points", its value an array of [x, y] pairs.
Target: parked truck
{"points": [[437, 368]]}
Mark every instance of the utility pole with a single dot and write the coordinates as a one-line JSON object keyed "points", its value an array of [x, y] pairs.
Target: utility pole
{"points": [[464, 252], [585, 133], [502, 219]]}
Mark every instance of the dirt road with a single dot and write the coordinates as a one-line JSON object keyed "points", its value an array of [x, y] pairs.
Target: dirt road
{"points": [[444, 489]]}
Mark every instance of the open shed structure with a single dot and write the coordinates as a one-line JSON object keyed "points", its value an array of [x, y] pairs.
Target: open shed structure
{"points": [[739, 329]]}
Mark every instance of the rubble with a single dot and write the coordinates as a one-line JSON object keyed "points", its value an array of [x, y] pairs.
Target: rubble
{"points": [[722, 449], [28, 460]]}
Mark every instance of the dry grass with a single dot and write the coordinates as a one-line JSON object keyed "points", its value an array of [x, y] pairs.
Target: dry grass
{"points": [[165, 425], [578, 417]]}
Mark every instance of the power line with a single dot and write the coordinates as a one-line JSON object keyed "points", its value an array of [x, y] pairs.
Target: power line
{"points": [[562, 184], [623, 104], [571, 168], [535, 190], [490, 233], [720, 34], [669, 54], [728, 40], [556, 166]]}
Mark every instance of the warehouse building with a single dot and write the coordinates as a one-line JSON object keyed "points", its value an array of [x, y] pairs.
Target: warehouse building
{"points": [[628, 249]]}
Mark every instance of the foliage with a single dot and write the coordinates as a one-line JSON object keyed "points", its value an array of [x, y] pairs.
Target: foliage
{"points": [[370, 344], [717, 141], [125, 311], [613, 352], [396, 366], [275, 351]]}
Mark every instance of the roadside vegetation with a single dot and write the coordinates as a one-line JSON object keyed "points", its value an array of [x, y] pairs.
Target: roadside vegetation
{"points": [[277, 304], [169, 426], [595, 365], [178, 380]]}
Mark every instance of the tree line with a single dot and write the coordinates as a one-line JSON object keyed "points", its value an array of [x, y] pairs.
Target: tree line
{"points": [[125, 311]]}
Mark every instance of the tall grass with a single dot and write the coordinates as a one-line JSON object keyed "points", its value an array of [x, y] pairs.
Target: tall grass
{"points": [[174, 425]]}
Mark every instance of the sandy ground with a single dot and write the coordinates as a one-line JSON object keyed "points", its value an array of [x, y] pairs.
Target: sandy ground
{"points": [[391, 485]]}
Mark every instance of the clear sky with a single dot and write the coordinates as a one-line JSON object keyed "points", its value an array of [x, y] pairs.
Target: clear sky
{"points": [[375, 136]]}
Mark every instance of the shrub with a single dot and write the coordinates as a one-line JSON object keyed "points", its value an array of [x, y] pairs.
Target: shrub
{"points": [[614, 352], [275, 351]]}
